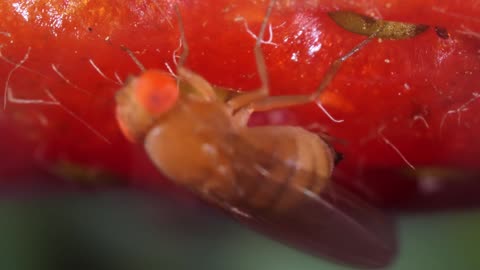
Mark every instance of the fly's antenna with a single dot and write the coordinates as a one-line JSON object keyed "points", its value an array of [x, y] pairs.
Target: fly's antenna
{"points": [[260, 59], [183, 39], [135, 59]]}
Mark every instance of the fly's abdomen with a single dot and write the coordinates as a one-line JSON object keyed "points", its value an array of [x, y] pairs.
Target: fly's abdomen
{"points": [[289, 163]]}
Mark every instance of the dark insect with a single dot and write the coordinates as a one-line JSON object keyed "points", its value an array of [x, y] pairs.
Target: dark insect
{"points": [[442, 32], [364, 25]]}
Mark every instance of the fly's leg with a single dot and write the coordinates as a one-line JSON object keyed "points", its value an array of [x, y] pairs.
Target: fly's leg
{"points": [[205, 89], [267, 103], [199, 84], [245, 99]]}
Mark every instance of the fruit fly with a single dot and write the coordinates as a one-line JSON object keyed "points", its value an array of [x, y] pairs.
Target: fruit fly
{"points": [[274, 178]]}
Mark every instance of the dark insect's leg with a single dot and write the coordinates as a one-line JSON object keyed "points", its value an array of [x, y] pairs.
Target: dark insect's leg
{"points": [[199, 84], [183, 39]]}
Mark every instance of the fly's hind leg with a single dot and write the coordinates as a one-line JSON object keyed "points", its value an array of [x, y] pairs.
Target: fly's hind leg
{"points": [[199, 84], [266, 103]]}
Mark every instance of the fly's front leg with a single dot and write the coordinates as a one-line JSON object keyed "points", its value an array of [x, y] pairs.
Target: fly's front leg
{"points": [[199, 84], [205, 89]]}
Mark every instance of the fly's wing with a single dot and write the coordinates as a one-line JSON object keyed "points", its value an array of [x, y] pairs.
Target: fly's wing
{"points": [[333, 224]]}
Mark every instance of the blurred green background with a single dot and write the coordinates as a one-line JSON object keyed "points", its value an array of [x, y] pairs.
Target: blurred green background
{"points": [[131, 230]]}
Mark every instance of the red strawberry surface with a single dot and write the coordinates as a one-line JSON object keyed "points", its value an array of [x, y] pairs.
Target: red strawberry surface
{"points": [[410, 107]]}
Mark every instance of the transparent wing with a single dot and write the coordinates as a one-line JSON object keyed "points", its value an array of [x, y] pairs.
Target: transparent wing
{"points": [[334, 223]]}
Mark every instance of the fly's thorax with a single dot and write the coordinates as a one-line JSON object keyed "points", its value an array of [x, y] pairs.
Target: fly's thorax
{"points": [[188, 146]]}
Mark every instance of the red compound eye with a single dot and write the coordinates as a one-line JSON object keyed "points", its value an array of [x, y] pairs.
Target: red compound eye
{"points": [[156, 91]]}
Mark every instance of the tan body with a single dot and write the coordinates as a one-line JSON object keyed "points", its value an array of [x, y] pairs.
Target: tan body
{"points": [[275, 178], [198, 145]]}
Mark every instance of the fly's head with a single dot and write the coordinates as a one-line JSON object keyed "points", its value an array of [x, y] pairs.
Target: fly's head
{"points": [[143, 101]]}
